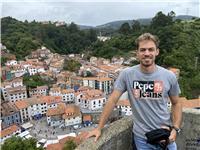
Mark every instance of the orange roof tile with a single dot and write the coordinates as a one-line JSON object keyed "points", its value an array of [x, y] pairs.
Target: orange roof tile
{"points": [[87, 117], [51, 99], [71, 111], [98, 78], [123, 103], [9, 130], [66, 91], [21, 104], [193, 103], [55, 146], [92, 94], [84, 88], [104, 79], [60, 145], [59, 110]]}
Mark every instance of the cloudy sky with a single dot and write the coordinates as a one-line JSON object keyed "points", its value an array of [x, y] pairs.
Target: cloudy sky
{"points": [[94, 12]]}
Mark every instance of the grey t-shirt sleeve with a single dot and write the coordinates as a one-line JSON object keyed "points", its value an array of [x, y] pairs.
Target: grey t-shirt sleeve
{"points": [[174, 89], [120, 83]]}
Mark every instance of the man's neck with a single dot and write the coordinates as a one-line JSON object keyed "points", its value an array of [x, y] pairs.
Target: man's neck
{"points": [[149, 69]]}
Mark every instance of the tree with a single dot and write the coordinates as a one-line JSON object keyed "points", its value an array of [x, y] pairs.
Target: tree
{"points": [[125, 28], [71, 65], [73, 27], [136, 26], [17, 143], [161, 20], [3, 60], [33, 81], [70, 145]]}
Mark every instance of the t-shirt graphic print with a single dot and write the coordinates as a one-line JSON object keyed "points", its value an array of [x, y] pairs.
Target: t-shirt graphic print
{"points": [[147, 89]]}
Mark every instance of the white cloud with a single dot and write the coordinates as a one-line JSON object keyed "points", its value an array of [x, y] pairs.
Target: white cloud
{"points": [[95, 12]]}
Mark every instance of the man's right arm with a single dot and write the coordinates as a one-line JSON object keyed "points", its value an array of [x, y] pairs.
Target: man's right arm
{"points": [[113, 99]]}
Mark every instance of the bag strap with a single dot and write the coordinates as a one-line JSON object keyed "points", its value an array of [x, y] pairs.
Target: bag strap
{"points": [[164, 144]]}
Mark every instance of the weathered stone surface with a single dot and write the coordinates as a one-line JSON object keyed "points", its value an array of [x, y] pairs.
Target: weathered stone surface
{"points": [[118, 135], [115, 137]]}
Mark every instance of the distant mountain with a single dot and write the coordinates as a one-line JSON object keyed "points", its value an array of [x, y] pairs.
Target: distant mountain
{"points": [[84, 27], [185, 17], [144, 21], [114, 24]]}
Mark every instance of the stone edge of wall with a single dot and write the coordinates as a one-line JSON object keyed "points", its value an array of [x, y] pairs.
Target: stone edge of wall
{"points": [[115, 128], [108, 133]]}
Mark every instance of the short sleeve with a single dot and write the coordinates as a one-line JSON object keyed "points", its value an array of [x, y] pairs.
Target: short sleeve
{"points": [[174, 88], [120, 83]]}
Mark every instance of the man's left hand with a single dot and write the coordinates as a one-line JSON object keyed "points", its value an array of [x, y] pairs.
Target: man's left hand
{"points": [[172, 136]]}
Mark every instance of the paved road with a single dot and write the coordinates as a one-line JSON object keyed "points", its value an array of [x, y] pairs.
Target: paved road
{"points": [[41, 130]]}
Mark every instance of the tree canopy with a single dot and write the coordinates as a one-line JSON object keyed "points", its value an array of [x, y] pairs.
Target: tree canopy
{"points": [[17, 143], [23, 37]]}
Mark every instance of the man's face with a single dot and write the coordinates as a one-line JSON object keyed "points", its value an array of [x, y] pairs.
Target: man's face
{"points": [[147, 53]]}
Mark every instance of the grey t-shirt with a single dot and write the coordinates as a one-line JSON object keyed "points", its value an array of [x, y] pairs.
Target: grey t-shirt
{"points": [[148, 95]]}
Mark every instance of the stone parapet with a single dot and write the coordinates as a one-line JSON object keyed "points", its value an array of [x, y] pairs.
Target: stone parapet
{"points": [[117, 136]]}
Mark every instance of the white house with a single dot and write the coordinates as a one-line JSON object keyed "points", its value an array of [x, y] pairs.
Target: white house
{"points": [[9, 132], [16, 93], [52, 101], [54, 115], [16, 82], [91, 99], [65, 115], [68, 95], [38, 107], [24, 109], [125, 107], [18, 70], [101, 83], [72, 115], [39, 90], [55, 91], [11, 63]]}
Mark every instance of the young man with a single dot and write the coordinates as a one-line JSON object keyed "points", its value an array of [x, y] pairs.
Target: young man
{"points": [[149, 86]]}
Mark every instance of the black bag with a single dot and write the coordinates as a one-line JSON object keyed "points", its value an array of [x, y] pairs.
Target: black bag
{"points": [[155, 136]]}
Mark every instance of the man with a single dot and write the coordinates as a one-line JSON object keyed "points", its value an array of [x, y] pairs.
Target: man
{"points": [[149, 86]]}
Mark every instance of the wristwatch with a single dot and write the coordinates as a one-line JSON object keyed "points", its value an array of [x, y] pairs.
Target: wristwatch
{"points": [[178, 130]]}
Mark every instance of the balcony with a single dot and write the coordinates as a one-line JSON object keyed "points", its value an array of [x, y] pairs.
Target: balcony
{"points": [[118, 136]]}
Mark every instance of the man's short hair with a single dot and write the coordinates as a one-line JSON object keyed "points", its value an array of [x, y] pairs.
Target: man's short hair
{"points": [[147, 36]]}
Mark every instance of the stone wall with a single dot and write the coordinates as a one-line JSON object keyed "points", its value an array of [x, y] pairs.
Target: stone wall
{"points": [[117, 136], [189, 138]]}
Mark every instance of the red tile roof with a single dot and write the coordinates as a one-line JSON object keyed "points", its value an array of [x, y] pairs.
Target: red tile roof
{"points": [[123, 103], [21, 104], [192, 103], [9, 130], [59, 110], [51, 99], [87, 118], [71, 111], [55, 146]]}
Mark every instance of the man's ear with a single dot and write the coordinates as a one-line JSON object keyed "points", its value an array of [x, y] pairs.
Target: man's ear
{"points": [[157, 51], [137, 54]]}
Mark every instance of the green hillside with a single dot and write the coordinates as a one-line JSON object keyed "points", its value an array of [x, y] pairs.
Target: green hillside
{"points": [[179, 43]]}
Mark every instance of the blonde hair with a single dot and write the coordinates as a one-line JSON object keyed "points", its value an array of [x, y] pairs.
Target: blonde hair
{"points": [[147, 36]]}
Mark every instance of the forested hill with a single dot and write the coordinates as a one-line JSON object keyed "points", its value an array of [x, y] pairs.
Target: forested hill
{"points": [[22, 37], [179, 43], [179, 47]]}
